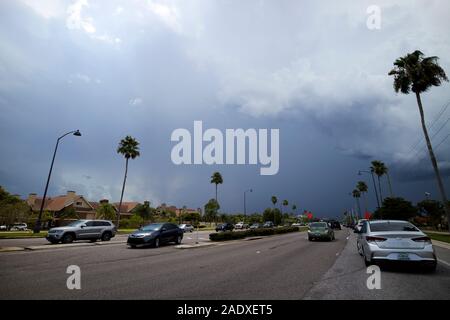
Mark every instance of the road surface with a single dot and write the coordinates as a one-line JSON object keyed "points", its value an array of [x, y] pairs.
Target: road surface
{"points": [[277, 267]]}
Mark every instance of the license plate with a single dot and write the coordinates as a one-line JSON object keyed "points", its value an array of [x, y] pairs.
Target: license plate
{"points": [[403, 256]]}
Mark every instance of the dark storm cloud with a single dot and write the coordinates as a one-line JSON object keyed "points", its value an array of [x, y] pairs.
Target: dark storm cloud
{"points": [[145, 68]]}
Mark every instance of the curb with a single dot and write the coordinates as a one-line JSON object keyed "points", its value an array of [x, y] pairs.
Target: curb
{"points": [[194, 246], [440, 244], [11, 249]]}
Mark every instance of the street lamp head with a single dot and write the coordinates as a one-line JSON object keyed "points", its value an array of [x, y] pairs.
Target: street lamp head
{"points": [[77, 133]]}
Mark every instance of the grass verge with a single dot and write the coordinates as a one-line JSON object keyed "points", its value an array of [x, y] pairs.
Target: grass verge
{"points": [[439, 237]]}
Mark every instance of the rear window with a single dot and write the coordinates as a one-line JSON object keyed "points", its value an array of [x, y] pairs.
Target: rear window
{"points": [[392, 226], [318, 225]]}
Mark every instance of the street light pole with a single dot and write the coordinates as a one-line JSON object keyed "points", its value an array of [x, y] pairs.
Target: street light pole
{"points": [[245, 205], [374, 185], [37, 226]]}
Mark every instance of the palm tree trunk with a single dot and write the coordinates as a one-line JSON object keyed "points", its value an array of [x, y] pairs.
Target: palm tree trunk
{"points": [[216, 192], [121, 195], [389, 183], [433, 161], [365, 201], [359, 208], [379, 188]]}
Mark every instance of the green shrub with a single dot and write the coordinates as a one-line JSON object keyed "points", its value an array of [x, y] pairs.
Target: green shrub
{"points": [[232, 235]]}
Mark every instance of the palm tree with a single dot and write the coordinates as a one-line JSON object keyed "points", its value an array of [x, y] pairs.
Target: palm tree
{"points": [[417, 73], [356, 194], [274, 200], [362, 188], [294, 207], [128, 147], [378, 168], [216, 178]]}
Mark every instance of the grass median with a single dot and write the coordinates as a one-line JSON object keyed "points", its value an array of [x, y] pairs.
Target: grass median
{"points": [[439, 237], [22, 234], [235, 235]]}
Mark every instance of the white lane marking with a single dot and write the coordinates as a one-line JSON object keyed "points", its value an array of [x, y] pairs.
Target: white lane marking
{"points": [[443, 262], [337, 254], [347, 238], [189, 238], [258, 251]]}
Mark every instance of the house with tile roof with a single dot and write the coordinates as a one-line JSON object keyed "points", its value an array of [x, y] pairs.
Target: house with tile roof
{"points": [[66, 207]]}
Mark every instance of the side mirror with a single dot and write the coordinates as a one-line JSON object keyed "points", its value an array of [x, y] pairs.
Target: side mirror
{"points": [[163, 229], [83, 226]]}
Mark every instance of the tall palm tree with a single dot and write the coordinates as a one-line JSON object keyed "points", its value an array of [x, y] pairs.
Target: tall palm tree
{"points": [[362, 188], [417, 73], [378, 168], [216, 178], [356, 194], [129, 148], [274, 200], [294, 207]]}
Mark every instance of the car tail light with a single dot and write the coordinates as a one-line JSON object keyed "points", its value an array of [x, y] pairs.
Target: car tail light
{"points": [[373, 239], [422, 239]]}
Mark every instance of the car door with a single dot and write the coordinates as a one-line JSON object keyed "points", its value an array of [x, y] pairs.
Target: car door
{"points": [[362, 236], [88, 231], [166, 232]]}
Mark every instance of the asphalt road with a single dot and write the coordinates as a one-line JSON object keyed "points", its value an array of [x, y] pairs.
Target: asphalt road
{"points": [[277, 267]]}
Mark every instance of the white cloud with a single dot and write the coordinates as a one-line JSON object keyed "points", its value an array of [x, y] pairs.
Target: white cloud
{"points": [[75, 20], [167, 13], [46, 8], [136, 101]]}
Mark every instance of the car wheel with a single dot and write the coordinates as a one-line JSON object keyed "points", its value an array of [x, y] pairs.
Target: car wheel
{"points": [[156, 244], [67, 238], [178, 240], [367, 262], [132, 246], [106, 236], [310, 239], [431, 267], [54, 241], [358, 247]]}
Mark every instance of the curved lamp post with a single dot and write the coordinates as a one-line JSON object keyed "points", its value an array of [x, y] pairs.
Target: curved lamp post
{"points": [[37, 227], [245, 205]]}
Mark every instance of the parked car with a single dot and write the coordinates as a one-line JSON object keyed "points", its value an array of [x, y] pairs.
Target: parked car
{"points": [[335, 225], [83, 230], [256, 226], [3, 227], [296, 224], [186, 227], [268, 224], [241, 225], [320, 230], [395, 240], [19, 227], [155, 234], [225, 227]]}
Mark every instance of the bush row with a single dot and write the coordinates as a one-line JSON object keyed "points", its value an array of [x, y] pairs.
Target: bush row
{"points": [[234, 235]]}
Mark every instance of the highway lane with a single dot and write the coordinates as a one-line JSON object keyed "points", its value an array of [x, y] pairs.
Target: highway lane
{"points": [[348, 277], [277, 267]]}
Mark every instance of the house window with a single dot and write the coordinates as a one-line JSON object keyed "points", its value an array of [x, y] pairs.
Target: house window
{"points": [[79, 203]]}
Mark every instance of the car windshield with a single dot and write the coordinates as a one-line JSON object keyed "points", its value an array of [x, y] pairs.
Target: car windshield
{"points": [[152, 227], [318, 225], [392, 226], [76, 223]]}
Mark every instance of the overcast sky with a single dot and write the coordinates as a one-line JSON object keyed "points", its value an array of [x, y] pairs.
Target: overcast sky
{"points": [[312, 69]]}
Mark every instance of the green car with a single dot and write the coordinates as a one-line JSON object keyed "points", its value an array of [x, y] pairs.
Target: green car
{"points": [[320, 230]]}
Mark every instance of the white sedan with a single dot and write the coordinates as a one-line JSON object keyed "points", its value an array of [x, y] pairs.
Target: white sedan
{"points": [[186, 227]]}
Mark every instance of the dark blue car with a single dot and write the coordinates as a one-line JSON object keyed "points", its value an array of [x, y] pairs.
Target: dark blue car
{"points": [[155, 234]]}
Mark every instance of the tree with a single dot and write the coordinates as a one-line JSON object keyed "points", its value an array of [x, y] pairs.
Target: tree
{"points": [[379, 169], [277, 216], [433, 209], [211, 209], [12, 208], [274, 200], [144, 211], [129, 148], [216, 178], [294, 207], [356, 194], [362, 188], [105, 211], [418, 74], [395, 209]]}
